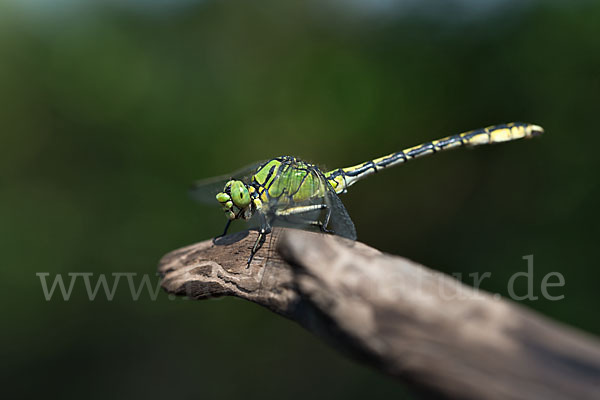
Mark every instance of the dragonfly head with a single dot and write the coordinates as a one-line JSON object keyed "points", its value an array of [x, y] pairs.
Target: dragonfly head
{"points": [[237, 200]]}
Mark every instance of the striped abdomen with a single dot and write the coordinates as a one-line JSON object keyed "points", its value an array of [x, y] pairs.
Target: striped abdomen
{"points": [[342, 178]]}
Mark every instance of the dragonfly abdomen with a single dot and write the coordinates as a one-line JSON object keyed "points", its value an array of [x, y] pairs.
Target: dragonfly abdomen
{"points": [[342, 178]]}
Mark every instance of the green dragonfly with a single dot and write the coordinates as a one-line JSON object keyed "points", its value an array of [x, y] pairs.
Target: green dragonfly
{"points": [[286, 191]]}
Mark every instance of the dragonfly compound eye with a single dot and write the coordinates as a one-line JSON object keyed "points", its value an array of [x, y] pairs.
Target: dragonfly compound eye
{"points": [[240, 194]]}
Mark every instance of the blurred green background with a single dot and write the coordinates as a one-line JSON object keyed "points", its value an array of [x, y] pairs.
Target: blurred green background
{"points": [[109, 110]]}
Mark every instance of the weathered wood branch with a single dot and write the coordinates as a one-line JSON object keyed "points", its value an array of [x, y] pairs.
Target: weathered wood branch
{"points": [[404, 319]]}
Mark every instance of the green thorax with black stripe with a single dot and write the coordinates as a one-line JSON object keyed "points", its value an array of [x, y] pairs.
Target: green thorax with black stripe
{"points": [[288, 180]]}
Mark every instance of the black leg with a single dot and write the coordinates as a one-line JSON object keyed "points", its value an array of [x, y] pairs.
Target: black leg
{"points": [[265, 229], [286, 214], [322, 227], [226, 228], [324, 224]]}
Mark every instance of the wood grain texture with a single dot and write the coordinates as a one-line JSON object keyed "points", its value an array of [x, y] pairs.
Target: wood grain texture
{"points": [[404, 319]]}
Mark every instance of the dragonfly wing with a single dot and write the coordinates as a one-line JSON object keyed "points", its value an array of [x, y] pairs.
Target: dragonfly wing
{"points": [[285, 208], [339, 221], [205, 190]]}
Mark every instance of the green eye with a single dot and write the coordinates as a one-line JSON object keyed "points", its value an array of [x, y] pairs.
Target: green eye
{"points": [[239, 194]]}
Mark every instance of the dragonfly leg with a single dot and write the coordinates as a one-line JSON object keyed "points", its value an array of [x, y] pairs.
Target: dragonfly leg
{"points": [[226, 229], [323, 225], [304, 209], [265, 229]]}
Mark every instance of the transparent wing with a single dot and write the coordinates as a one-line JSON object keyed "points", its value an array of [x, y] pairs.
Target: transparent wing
{"points": [[205, 190], [339, 221]]}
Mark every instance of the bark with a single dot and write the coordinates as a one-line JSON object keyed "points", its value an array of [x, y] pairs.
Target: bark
{"points": [[406, 320]]}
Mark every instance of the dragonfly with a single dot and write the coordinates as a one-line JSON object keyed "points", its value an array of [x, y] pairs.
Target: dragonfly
{"points": [[287, 191]]}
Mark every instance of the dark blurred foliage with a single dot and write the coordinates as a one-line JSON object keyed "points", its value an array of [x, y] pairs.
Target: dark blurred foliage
{"points": [[107, 114]]}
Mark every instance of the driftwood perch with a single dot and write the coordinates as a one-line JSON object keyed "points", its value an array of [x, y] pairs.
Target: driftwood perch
{"points": [[404, 319]]}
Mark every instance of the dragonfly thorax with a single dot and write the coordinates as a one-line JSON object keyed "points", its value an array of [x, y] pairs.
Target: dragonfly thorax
{"points": [[239, 200]]}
